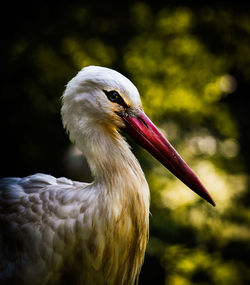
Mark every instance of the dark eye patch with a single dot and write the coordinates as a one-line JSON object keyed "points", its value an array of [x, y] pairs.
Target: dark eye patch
{"points": [[115, 97]]}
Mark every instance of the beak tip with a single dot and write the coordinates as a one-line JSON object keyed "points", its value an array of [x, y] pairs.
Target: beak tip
{"points": [[213, 203], [210, 200]]}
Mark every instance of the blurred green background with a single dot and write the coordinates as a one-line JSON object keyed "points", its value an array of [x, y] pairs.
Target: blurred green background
{"points": [[191, 64]]}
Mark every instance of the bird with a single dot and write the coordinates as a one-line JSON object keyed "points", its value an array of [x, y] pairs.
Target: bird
{"points": [[55, 230]]}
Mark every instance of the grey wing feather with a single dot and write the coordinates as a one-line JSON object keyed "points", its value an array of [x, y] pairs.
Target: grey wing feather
{"points": [[23, 202], [11, 187]]}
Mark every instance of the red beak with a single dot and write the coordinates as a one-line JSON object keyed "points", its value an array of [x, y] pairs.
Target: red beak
{"points": [[146, 134]]}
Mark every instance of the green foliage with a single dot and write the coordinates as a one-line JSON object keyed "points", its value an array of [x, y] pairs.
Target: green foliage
{"points": [[183, 83]]}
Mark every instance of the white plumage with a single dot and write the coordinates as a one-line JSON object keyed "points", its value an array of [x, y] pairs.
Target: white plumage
{"points": [[52, 229], [56, 231]]}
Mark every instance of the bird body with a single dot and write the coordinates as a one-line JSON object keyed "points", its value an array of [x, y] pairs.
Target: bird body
{"points": [[54, 230]]}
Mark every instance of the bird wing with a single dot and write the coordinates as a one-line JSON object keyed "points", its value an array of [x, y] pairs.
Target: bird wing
{"points": [[32, 210]]}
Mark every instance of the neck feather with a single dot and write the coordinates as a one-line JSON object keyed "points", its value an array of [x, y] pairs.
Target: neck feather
{"points": [[123, 196], [109, 156]]}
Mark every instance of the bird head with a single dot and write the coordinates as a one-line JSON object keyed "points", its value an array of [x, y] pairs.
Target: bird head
{"points": [[104, 97], [100, 95]]}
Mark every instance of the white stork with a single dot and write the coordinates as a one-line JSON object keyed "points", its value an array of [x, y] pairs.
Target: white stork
{"points": [[54, 230]]}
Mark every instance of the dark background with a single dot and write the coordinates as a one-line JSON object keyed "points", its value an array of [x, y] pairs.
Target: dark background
{"points": [[43, 47]]}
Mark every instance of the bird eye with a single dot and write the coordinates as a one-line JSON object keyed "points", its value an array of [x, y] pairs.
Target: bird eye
{"points": [[115, 97]]}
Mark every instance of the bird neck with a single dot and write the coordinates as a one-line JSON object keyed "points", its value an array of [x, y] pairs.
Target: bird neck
{"points": [[122, 199], [109, 156]]}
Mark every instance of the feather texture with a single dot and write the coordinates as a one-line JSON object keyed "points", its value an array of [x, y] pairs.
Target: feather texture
{"points": [[56, 231]]}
